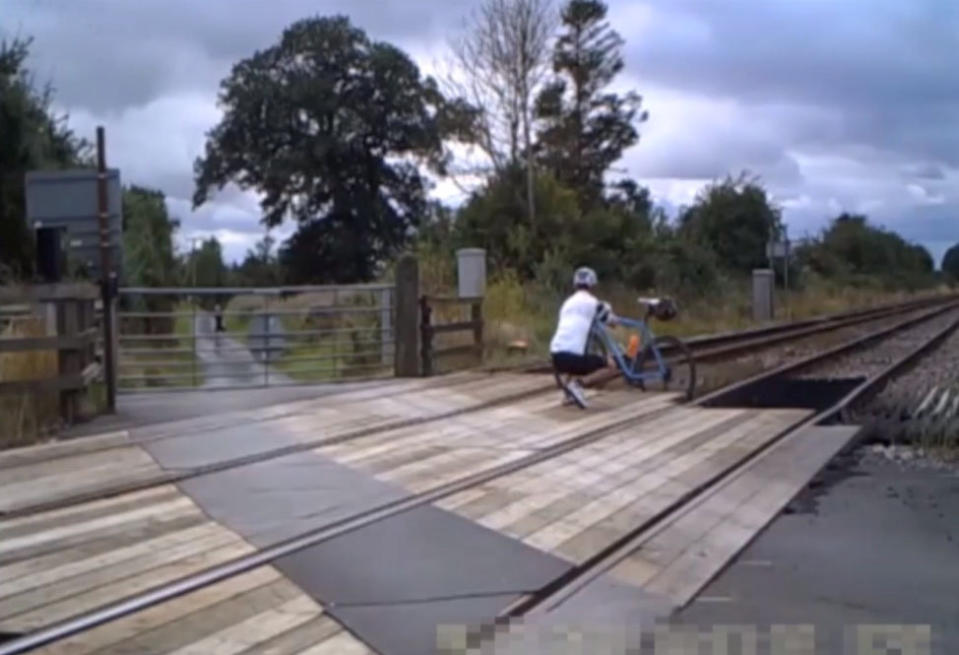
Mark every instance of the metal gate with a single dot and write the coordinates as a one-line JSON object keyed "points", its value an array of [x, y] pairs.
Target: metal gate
{"points": [[175, 338]]}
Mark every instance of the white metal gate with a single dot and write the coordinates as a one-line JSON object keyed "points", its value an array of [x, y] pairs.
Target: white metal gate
{"points": [[171, 338]]}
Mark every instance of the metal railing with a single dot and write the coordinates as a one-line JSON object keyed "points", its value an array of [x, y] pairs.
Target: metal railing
{"points": [[174, 338]]}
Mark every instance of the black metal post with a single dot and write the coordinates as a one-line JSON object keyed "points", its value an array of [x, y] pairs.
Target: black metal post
{"points": [[106, 272], [426, 338]]}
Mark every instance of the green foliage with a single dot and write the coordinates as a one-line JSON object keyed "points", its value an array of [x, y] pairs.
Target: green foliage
{"points": [[32, 137], [734, 219], [585, 128], [858, 253], [495, 218], [148, 257], [329, 125], [261, 266], [148, 230], [950, 264]]}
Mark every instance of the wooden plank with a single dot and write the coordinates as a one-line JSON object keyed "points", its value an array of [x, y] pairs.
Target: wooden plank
{"points": [[45, 452], [61, 383], [120, 567], [80, 463], [163, 544], [91, 509], [654, 492], [114, 636], [68, 342], [254, 630], [122, 588], [76, 549], [29, 496], [698, 544], [168, 509], [455, 326], [46, 292], [296, 640], [341, 644], [549, 481]]}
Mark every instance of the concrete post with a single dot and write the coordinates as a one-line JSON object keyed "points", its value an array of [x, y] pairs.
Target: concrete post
{"points": [[471, 272], [763, 282], [406, 300]]}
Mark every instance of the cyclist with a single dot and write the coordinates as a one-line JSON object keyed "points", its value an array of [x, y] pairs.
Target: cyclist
{"points": [[568, 346]]}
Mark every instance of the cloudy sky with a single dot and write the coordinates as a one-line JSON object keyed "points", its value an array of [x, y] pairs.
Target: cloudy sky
{"points": [[836, 104]]}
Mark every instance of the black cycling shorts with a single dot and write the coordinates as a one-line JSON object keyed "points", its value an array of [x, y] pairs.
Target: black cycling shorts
{"points": [[574, 364]]}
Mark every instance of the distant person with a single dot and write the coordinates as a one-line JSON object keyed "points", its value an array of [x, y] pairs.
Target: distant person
{"points": [[568, 346], [218, 317]]}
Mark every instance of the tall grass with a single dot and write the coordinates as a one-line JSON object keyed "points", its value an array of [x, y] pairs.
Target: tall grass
{"points": [[25, 417], [518, 311]]}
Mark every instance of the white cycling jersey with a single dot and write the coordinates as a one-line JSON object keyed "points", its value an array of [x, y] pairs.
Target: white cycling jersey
{"points": [[575, 319]]}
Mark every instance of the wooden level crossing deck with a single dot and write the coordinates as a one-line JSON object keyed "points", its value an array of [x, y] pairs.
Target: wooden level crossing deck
{"points": [[640, 460]]}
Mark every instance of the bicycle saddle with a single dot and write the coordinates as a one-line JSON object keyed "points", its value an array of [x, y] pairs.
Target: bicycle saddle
{"points": [[651, 303]]}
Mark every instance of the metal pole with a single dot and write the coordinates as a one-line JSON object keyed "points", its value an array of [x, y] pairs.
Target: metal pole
{"points": [[193, 333], [266, 340], [106, 272]]}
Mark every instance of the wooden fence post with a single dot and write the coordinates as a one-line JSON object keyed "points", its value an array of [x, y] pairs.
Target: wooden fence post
{"points": [[476, 315], [406, 299], [426, 337], [69, 360]]}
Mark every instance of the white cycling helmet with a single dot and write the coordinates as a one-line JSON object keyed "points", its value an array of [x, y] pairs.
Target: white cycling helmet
{"points": [[584, 277]]}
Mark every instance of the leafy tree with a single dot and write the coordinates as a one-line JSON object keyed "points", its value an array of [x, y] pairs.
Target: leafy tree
{"points": [[148, 231], [585, 127], [148, 257], [32, 137], [204, 266], [329, 126], [856, 252], [950, 263], [501, 58], [261, 266], [495, 218], [736, 220]]}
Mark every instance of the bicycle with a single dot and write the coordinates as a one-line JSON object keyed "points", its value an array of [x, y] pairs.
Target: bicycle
{"points": [[662, 360]]}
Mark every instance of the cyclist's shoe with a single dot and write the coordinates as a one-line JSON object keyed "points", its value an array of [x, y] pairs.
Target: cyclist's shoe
{"points": [[576, 394]]}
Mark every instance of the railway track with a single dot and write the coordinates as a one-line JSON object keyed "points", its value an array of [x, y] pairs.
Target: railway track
{"points": [[710, 347], [918, 329], [873, 361]]}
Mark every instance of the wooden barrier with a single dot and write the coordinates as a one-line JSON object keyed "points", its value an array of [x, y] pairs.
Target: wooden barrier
{"points": [[428, 353], [68, 310]]}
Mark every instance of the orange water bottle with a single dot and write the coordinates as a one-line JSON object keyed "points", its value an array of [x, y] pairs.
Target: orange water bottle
{"points": [[633, 347]]}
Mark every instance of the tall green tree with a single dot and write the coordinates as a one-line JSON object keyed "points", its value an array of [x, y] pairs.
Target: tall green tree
{"points": [[950, 264], [149, 259], [331, 127], [260, 267], [736, 220], [148, 235], [32, 137], [585, 127], [854, 251]]}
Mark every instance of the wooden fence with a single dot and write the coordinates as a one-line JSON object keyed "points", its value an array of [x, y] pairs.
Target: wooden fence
{"points": [[428, 352], [68, 314]]}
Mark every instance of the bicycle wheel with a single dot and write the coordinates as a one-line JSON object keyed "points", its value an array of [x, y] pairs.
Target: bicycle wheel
{"points": [[680, 367]]}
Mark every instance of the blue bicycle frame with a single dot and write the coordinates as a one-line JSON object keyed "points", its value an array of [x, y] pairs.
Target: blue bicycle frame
{"points": [[626, 366]]}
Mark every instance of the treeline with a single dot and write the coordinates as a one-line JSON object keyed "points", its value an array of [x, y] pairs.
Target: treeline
{"points": [[341, 134]]}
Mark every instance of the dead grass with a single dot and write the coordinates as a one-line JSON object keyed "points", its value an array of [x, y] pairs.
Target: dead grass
{"points": [[27, 418], [517, 312]]}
